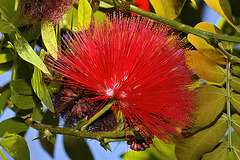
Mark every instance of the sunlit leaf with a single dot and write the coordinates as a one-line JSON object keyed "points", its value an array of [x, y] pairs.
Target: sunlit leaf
{"points": [[16, 146], [6, 55], [25, 102], [75, 147], [2, 155], [164, 152], [22, 86], [235, 83], [236, 123], [169, 9], [202, 45], [40, 89], [236, 150], [195, 146], [84, 14], [235, 100], [13, 125], [223, 8], [26, 52], [204, 67], [219, 153], [6, 27], [49, 38], [71, 20], [211, 101]]}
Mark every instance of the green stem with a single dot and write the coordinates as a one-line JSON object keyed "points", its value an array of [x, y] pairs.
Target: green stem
{"points": [[180, 26], [230, 57], [77, 133], [228, 98], [97, 115]]}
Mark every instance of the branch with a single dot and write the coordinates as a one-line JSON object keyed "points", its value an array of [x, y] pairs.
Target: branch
{"points": [[77, 133], [180, 26]]}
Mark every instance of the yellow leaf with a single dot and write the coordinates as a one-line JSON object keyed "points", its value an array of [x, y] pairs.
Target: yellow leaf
{"points": [[168, 8], [235, 100], [236, 150], [235, 83], [202, 45], [220, 153], [84, 14], [211, 101], [195, 146], [223, 8], [204, 67], [235, 69]]}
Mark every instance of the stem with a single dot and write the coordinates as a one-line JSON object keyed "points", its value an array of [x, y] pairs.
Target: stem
{"points": [[180, 26], [97, 115], [230, 57], [77, 133], [228, 96]]}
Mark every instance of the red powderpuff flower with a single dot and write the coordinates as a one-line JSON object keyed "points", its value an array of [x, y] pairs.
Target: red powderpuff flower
{"points": [[48, 10], [137, 63]]}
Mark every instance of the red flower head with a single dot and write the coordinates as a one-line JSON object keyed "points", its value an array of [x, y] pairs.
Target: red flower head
{"points": [[137, 63], [49, 10]]}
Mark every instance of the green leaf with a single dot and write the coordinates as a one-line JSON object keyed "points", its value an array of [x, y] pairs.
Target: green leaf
{"points": [[4, 67], [7, 7], [4, 96], [26, 52], [169, 9], [84, 14], [71, 20], [219, 153], [13, 125], [236, 150], [2, 155], [163, 152], [22, 86], [195, 146], [235, 100], [75, 147], [48, 143], [204, 67], [6, 55], [31, 32], [223, 8], [211, 101], [49, 38], [24, 102], [6, 27], [16, 146], [38, 112], [235, 83], [40, 89]]}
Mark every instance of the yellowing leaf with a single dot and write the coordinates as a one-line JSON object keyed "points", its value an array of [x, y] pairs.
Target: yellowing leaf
{"points": [[235, 69], [49, 38], [235, 100], [236, 123], [202, 45], [236, 150], [220, 153], [223, 8], [168, 8], [235, 83], [211, 101], [195, 146], [204, 67], [84, 14]]}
